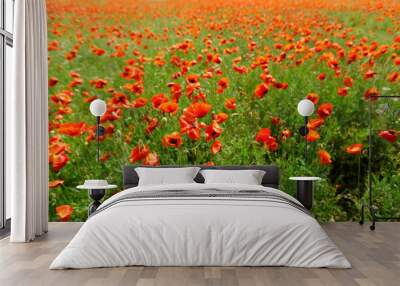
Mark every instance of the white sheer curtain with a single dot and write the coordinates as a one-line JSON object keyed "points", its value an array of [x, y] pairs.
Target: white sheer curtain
{"points": [[27, 124]]}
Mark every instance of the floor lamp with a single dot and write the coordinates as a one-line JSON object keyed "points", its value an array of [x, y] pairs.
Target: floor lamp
{"points": [[305, 108], [98, 107]]}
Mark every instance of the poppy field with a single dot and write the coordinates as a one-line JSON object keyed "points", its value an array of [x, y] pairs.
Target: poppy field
{"points": [[217, 83]]}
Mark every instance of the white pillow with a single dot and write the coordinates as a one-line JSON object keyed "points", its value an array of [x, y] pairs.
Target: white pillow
{"points": [[248, 177], [166, 176]]}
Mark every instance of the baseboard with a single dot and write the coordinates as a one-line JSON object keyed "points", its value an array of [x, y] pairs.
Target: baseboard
{"points": [[5, 231]]}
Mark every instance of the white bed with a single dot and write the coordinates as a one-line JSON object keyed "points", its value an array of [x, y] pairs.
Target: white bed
{"points": [[202, 231]]}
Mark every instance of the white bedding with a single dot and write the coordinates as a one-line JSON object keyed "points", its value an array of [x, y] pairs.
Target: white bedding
{"points": [[200, 231]]}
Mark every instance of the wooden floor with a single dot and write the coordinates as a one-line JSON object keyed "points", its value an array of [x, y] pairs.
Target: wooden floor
{"points": [[375, 257]]}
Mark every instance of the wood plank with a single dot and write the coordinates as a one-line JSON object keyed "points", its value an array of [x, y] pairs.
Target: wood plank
{"points": [[375, 257]]}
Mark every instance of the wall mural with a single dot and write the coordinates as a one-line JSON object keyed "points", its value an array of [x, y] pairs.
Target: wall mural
{"points": [[218, 82]]}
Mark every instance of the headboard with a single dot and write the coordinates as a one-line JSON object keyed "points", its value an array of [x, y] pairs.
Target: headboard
{"points": [[271, 177]]}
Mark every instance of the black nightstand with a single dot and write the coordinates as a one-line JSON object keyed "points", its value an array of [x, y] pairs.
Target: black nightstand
{"points": [[96, 190], [305, 190]]}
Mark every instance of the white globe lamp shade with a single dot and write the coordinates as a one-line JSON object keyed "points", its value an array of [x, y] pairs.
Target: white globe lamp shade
{"points": [[98, 107], [305, 107]]}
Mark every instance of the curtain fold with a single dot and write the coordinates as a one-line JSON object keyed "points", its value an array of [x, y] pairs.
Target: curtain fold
{"points": [[27, 124]]}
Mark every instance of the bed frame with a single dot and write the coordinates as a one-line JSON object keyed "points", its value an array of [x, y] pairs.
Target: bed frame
{"points": [[271, 177]]}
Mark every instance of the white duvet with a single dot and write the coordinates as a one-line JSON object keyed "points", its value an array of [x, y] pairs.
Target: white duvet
{"points": [[200, 231]]}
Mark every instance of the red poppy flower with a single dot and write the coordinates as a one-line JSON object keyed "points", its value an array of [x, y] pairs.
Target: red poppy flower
{"points": [[152, 124], [216, 147], [98, 83], [53, 46], [169, 107], [192, 78], [315, 123], [372, 94], [63, 98], [56, 183], [194, 133], [312, 135], [110, 129], [261, 90], [61, 111], [75, 82], [200, 97], [369, 74], [216, 59], [136, 88], [207, 74], [56, 146], [105, 157], [313, 97], [158, 99], [131, 72], [172, 140], [392, 77], [120, 99], [240, 69], [285, 134], [209, 164], [263, 135], [71, 55], [199, 109], [348, 81], [139, 153], [71, 129], [90, 99], [321, 76], [275, 120], [267, 78], [271, 144], [151, 159], [213, 131], [354, 149], [342, 91], [111, 114], [325, 110], [252, 45], [230, 103], [176, 91], [281, 85], [324, 157], [221, 117], [98, 51], [64, 212], [74, 74], [187, 121], [389, 135], [190, 89], [139, 102], [159, 61], [53, 81], [91, 133], [222, 84], [58, 161]]}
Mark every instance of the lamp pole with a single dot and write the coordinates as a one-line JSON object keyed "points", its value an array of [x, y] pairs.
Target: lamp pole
{"points": [[305, 139], [305, 108], [98, 107], [98, 138]]}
